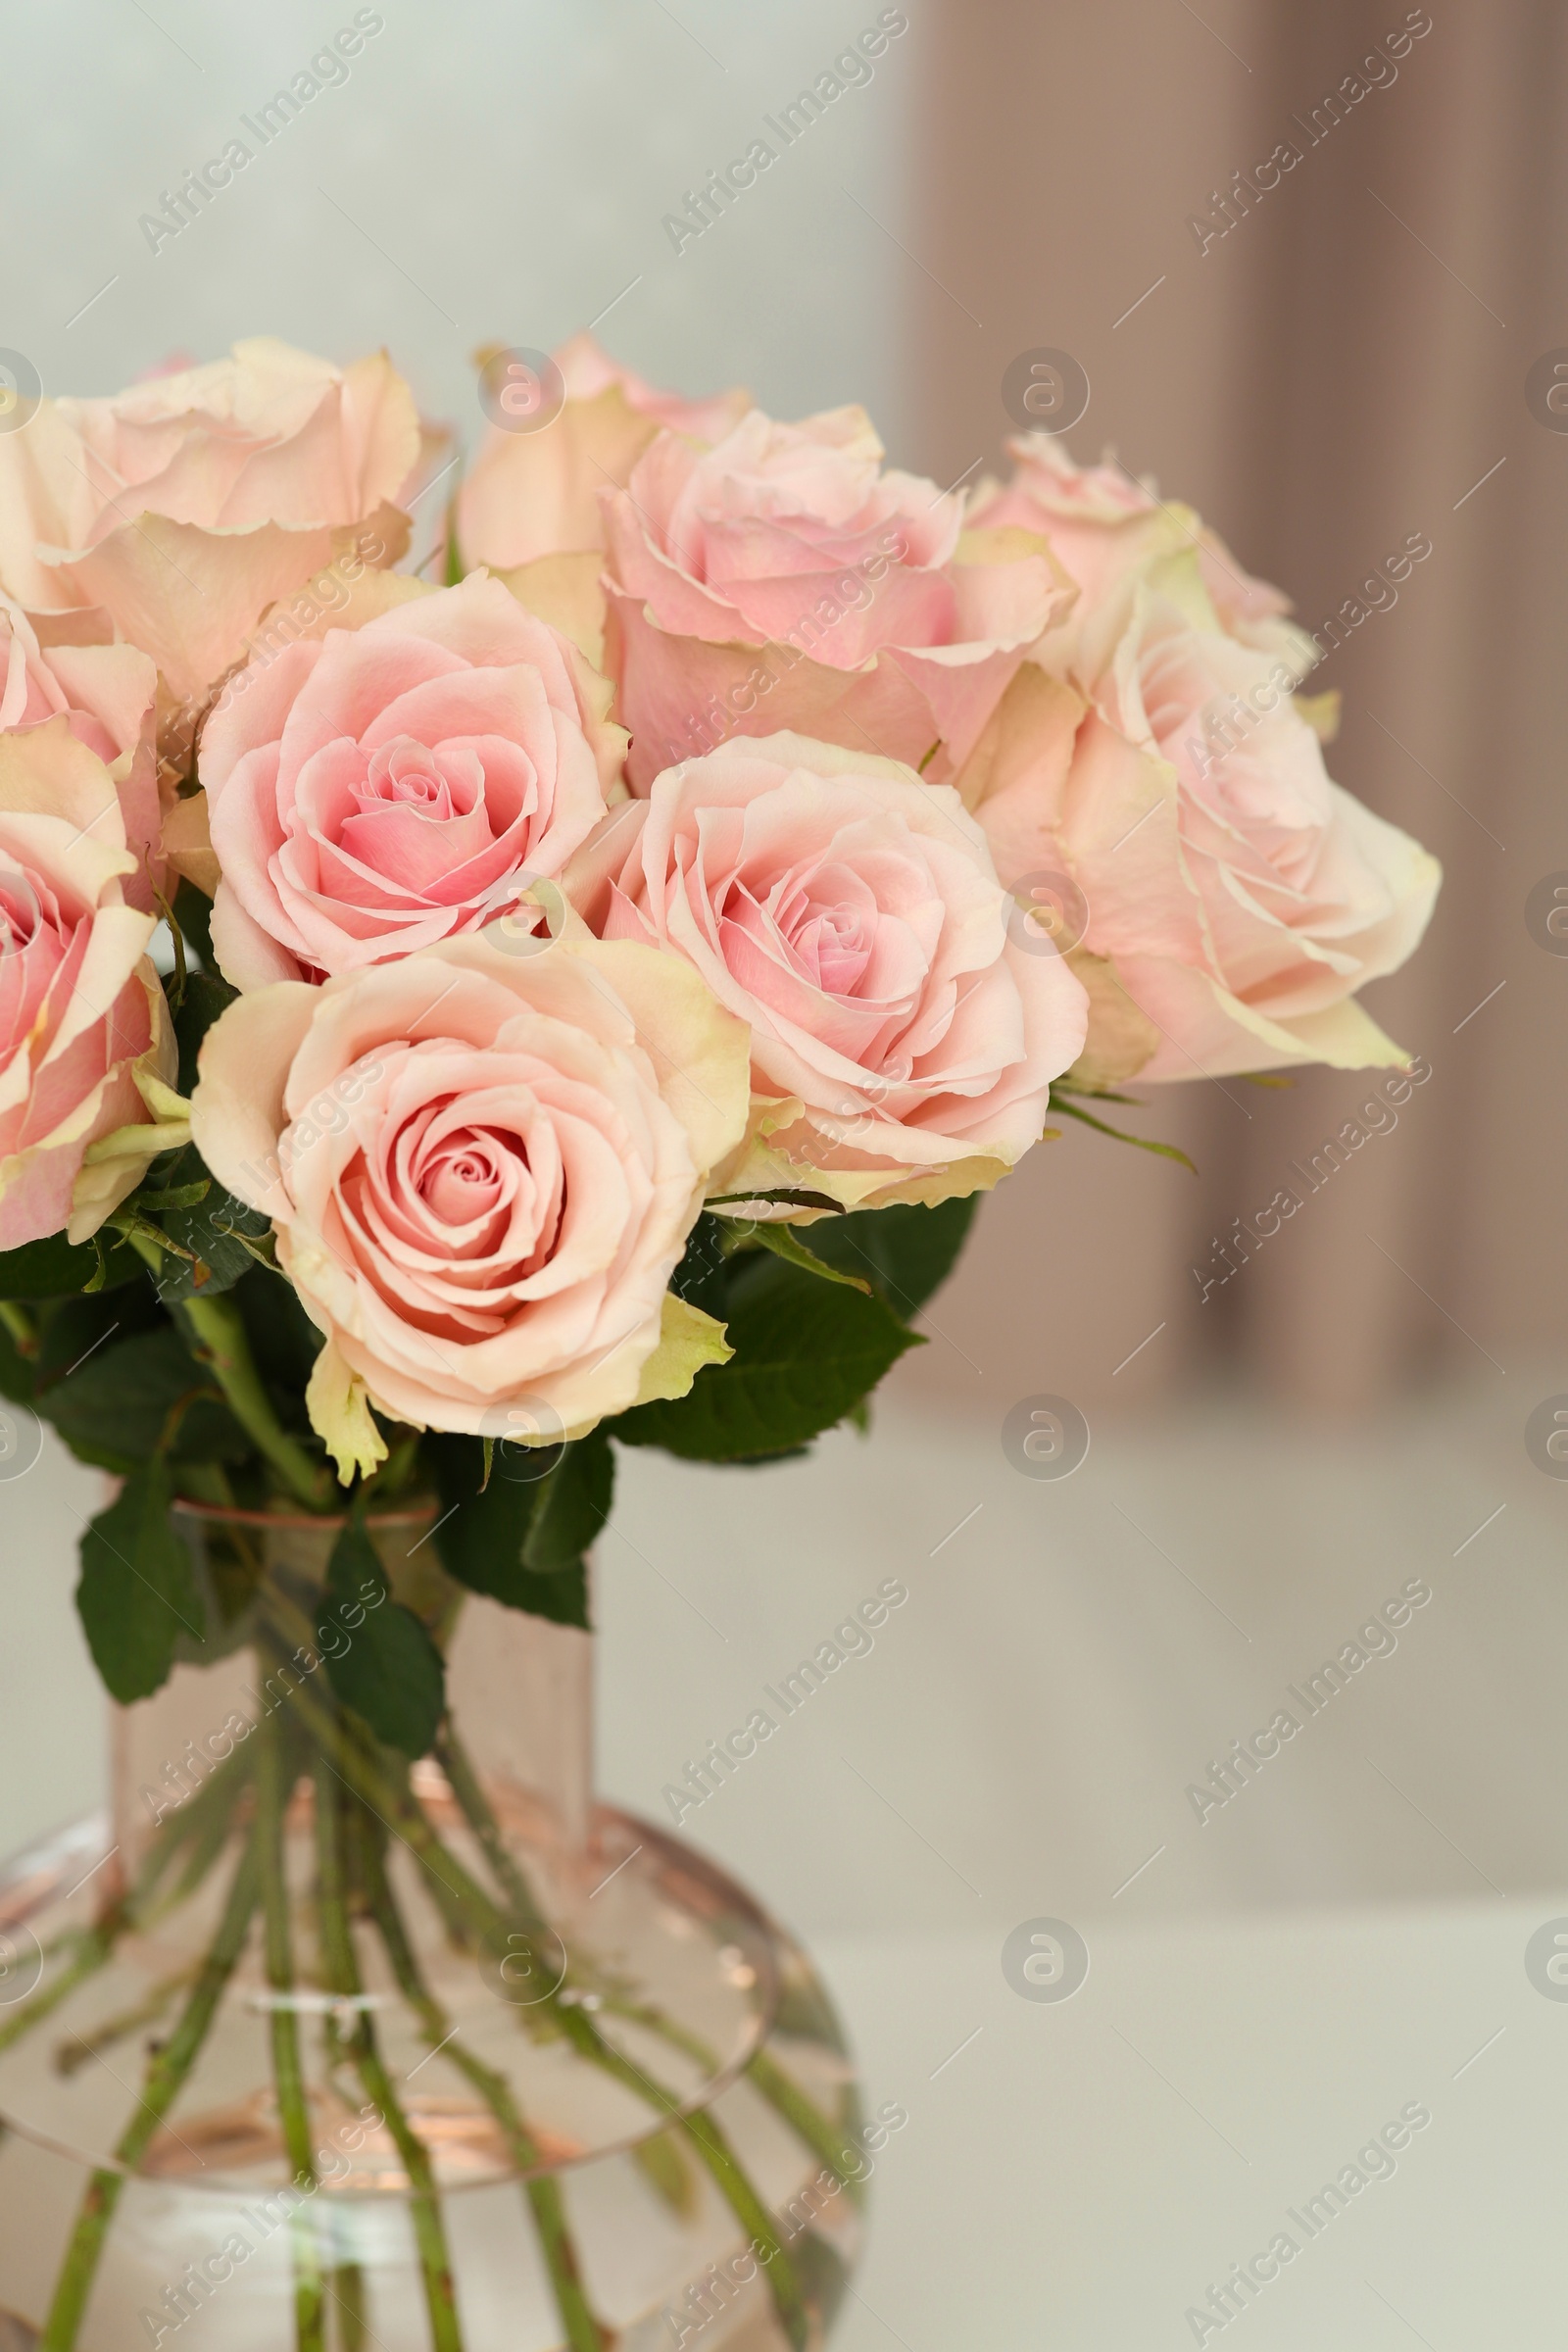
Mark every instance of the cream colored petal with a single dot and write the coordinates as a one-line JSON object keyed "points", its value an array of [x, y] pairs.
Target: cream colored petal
{"points": [[339, 1409], [687, 1341]]}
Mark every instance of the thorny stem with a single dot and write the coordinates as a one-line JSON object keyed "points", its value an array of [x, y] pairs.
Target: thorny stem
{"points": [[166, 2078], [712, 2146], [202, 1820], [467, 1905], [463, 1782], [273, 1787], [20, 1327], [342, 1971], [216, 1326], [767, 2077], [74, 2053], [542, 2193], [344, 1764]]}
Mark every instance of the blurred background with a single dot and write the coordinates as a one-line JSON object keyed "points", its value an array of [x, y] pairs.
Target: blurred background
{"points": [[1359, 357]]}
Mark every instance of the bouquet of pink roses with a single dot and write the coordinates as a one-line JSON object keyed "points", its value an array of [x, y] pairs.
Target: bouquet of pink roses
{"points": [[605, 980], [601, 985]]}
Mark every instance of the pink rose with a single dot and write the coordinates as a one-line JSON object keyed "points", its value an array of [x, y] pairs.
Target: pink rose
{"points": [[482, 1170], [1223, 884], [181, 509], [534, 494], [83, 1016], [108, 696], [1102, 525], [902, 1045], [780, 578], [373, 790]]}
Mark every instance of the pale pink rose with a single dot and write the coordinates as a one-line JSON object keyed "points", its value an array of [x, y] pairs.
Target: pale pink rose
{"points": [[180, 509], [108, 695], [903, 1043], [780, 578], [1101, 525], [528, 495], [81, 1011], [377, 789], [1237, 894], [482, 1171]]}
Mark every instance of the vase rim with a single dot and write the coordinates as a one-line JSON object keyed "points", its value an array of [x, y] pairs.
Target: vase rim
{"points": [[236, 1515]]}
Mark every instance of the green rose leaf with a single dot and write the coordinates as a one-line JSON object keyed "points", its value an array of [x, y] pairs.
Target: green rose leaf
{"points": [[386, 1667], [52, 1268], [519, 1538], [115, 1409], [205, 997], [137, 1596], [805, 1354], [214, 1230], [572, 1506], [193, 913], [906, 1252]]}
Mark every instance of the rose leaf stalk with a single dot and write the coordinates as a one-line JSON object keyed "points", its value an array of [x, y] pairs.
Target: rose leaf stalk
{"points": [[219, 1332], [273, 1786], [543, 2194], [166, 2079], [342, 1971]]}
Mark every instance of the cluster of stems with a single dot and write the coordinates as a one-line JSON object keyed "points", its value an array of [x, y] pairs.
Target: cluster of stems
{"points": [[362, 1801]]}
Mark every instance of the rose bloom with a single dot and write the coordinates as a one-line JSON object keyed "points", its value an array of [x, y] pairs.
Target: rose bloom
{"points": [[373, 790], [1102, 525], [780, 578], [177, 511], [108, 696], [1170, 792], [482, 1170], [903, 1042], [534, 494], [81, 1012]]}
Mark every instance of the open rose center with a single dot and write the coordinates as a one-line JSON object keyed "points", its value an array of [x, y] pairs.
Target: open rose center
{"points": [[458, 1210], [35, 941]]}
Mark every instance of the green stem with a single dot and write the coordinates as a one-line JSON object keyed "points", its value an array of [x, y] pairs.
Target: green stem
{"points": [[166, 2078], [712, 2146], [782, 2093], [72, 2055], [463, 1782], [273, 1787], [542, 2190], [20, 1326], [220, 1344], [199, 1819], [342, 1970], [768, 2078], [469, 1910], [94, 1948], [346, 2286]]}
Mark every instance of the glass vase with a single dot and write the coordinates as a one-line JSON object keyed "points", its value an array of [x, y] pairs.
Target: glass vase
{"points": [[313, 2048]]}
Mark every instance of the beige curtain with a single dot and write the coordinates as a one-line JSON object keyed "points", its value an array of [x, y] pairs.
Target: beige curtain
{"points": [[1343, 370]]}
